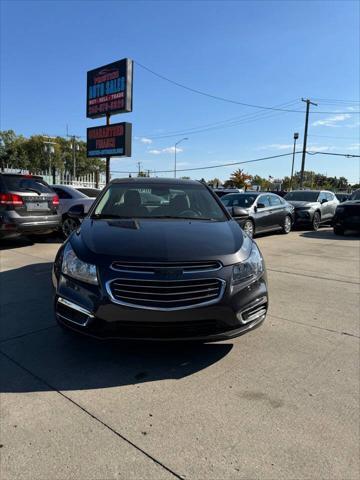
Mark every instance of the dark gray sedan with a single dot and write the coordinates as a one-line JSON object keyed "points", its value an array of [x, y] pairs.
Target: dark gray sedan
{"points": [[259, 212]]}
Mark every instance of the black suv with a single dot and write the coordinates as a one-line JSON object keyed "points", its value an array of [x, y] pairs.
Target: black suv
{"points": [[28, 205]]}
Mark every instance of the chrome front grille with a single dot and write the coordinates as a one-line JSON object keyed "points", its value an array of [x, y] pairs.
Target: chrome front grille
{"points": [[166, 294], [154, 267]]}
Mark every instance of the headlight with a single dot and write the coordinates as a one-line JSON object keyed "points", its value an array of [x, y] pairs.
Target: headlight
{"points": [[250, 268], [74, 267]]}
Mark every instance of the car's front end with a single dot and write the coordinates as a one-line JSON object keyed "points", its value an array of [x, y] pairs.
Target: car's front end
{"points": [[194, 300]]}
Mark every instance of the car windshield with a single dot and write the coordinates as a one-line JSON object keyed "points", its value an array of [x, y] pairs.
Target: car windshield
{"points": [[302, 196], [22, 183], [163, 200], [238, 200]]}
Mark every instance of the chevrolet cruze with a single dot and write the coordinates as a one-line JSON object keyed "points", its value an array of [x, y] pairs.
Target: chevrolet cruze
{"points": [[177, 267]]}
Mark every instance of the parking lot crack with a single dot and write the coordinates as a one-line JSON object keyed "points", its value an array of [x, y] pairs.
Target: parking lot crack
{"points": [[315, 326], [312, 276], [27, 333], [94, 417]]}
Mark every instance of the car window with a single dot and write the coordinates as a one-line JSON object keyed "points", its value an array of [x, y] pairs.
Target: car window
{"points": [[302, 196], [238, 200], [322, 196], [167, 200], [62, 194], [329, 196], [265, 200], [356, 195], [26, 183], [275, 201]]}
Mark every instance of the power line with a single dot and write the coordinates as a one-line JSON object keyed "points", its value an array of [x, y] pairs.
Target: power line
{"points": [[243, 162], [232, 122], [336, 100], [223, 99], [348, 155]]}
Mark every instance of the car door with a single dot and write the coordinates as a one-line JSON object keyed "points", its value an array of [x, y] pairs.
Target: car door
{"points": [[332, 203], [262, 215], [324, 208], [277, 211]]}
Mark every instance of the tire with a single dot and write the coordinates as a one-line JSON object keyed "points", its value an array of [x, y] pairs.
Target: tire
{"points": [[315, 224], [249, 228], [286, 226], [339, 231], [68, 226]]}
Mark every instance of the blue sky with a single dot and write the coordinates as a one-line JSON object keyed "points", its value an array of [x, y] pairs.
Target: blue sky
{"points": [[259, 52]]}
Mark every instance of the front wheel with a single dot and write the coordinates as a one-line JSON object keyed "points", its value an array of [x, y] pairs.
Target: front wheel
{"points": [[286, 226], [316, 221], [249, 228], [68, 226]]}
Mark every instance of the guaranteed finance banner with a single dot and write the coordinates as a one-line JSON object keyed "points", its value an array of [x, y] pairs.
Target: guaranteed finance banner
{"points": [[109, 141]]}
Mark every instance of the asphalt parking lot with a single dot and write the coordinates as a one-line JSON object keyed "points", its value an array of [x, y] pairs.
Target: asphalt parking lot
{"points": [[281, 402]]}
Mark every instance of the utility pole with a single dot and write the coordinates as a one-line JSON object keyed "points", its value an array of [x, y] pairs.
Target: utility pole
{"points": [[107, 158], [296, 136], [308, 103], [139, 168], [74, 156]]}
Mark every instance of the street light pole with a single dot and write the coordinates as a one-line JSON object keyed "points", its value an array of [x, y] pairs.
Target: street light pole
{"points": [[176, 144], [296, 136]]}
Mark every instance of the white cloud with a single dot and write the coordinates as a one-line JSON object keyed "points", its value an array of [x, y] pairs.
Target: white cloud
{"points": [[319, 148], [145, 140], [332, 121], [276, 146], [156, 151], [183, 164], [354, 147]]}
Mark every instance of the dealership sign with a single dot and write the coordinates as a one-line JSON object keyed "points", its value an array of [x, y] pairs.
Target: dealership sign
{"points": [[109, 140], [109, 89]]}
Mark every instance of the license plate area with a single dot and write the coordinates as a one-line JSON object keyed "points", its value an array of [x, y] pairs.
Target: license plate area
{"points": [[37, 206]]}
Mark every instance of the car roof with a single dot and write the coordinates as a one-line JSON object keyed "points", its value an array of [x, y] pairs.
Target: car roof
{"points": [[26, 175], [157, 181], [65, 187]]}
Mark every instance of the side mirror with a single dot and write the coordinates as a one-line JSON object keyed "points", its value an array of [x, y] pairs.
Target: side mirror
{"points": [[324, 200], [260, 205], [239, 212], [76, 211]]}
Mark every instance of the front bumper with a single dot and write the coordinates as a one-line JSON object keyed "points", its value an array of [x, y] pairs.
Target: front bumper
{"points": [[303, 217], [89, 310]]}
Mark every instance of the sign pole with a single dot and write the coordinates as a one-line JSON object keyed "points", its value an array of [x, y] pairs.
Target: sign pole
{"points": [[107, 158]]}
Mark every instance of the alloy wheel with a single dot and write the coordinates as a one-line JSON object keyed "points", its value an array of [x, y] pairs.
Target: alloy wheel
{"points": [[249, 228], [68, 226]]}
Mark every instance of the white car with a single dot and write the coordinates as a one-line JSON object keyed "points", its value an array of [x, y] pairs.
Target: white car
{"points": [[68, 197]]}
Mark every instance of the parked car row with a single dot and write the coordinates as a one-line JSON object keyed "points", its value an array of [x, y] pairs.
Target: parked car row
{"points": [[28, 205], [259, 212]]}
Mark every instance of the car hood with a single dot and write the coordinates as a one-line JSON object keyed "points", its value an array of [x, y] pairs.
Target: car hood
{"points": [[302, 204], [102, 241]]}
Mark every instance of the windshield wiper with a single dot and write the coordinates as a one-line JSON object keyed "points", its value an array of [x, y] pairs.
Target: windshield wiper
{"points": [[182, 218], [97, 216]]}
